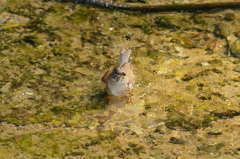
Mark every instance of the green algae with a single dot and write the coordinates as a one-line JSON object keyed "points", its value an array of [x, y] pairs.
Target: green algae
{"points": [[175, 21], [80, 16]]}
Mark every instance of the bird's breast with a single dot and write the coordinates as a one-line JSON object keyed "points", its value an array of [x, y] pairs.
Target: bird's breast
{"points": [[117, 88]]}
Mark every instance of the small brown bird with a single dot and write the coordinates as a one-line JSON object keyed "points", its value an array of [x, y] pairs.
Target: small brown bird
{"points": [[120, 80]]}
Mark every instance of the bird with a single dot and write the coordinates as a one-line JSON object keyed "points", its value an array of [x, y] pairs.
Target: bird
{"points": [[119, 81]]}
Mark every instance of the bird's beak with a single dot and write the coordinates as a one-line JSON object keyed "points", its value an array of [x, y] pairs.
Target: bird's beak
{"points": [[122, 74]]}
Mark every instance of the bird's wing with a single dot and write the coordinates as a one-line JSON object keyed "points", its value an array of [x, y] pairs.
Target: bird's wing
{"points": [[106, 75]]}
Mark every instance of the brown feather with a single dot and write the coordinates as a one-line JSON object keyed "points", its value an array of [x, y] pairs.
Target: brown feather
{"points": [[106, 75]]}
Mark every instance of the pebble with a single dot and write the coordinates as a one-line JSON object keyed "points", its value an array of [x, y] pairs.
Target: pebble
{"points": [[235, 48], [224, 29], [2, 21], [237, 69], [229, 16]]}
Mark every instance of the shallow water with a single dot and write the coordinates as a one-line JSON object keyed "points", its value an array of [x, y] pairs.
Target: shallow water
{"points": [[186, 100]]}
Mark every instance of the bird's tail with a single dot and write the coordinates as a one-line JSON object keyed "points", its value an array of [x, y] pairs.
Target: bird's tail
{"points": [[124, 56]]}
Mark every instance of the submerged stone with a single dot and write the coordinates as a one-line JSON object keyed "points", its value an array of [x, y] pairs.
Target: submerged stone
{"points": [[229, 16], [224, 29], [235, 48], [237, 69]]}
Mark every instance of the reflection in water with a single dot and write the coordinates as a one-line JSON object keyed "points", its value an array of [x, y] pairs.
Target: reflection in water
{"points": [[123, 113]]}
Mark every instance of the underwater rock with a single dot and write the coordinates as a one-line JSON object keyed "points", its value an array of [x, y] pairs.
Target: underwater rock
{"points": [[237, 69], [235, 48], [198, 19], [6, 87], [223, 29], [3, 20], [214, 131], [161, 129], [229, 16], [176, 140]]}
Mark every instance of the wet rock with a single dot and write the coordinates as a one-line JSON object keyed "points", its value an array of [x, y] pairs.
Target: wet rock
{"points": [[215, 131], [205, 97], [198, 19], [176, 140], [33, 40], [237, 34], [175, 21], [235, 48], [238, 94], [231, 39], [161, 129], [187, 77], [236, 61], [131, 144], [237, 69], [223, 29], [229, 16], [211, 148], [215, 62], [157, 153], [6, 87], [206, 38], [222, 83], [2, 21], [237, 79], [139, 149]]}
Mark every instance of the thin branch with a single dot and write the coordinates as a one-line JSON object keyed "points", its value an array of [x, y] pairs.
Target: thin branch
{"points": [[157, 8]]}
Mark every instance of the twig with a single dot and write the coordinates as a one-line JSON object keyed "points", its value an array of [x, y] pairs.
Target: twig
{"points": [[157, 8]]}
